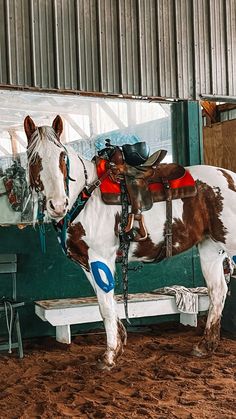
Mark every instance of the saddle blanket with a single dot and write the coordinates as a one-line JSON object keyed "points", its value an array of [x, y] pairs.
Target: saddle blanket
{"points": [[181, 187]]}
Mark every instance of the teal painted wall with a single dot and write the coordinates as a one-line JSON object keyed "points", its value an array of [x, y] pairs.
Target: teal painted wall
{"points": [[187, 133], [52, 275]]}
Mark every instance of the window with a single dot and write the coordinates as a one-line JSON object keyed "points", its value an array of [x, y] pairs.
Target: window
{"points": [[88, 122]]}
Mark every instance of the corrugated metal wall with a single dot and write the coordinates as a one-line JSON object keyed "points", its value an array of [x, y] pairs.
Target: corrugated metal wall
{"points": [[167, 48]]}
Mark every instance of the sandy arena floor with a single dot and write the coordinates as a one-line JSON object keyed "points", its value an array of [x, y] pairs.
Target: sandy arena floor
{"points": [[156, 378]]}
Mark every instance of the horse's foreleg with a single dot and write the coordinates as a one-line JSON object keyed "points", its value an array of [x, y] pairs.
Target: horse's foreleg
{"points": [[212, 268], [102, 279], [115, 331]]}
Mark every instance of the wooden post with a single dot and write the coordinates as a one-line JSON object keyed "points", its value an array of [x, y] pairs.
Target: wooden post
{"points": [[14, 142]]}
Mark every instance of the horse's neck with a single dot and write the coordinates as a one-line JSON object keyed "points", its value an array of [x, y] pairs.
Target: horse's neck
{"points": [[79, 169]]}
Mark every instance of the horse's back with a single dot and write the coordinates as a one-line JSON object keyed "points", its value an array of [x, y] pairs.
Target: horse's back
{"points": [[213, 176]]}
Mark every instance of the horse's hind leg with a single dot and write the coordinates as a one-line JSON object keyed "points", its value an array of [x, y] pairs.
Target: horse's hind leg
{"points": [[212, 268]]}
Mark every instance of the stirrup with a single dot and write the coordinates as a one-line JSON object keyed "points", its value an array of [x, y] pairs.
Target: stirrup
{"points": [[142, 234]]}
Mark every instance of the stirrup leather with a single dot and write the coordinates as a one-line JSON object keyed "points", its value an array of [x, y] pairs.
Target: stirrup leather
{"points": [[129, 230]]}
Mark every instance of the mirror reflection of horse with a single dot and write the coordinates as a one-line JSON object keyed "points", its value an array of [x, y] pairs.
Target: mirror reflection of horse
{"points": [[14, 195], [7, 214], [205, 219]]}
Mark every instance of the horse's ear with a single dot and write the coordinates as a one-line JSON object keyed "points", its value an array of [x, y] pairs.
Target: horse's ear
{"points": [[58, 125], [29, 127]]}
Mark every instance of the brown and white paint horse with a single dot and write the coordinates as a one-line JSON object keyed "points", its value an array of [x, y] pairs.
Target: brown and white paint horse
{"points": [[206, 220]]}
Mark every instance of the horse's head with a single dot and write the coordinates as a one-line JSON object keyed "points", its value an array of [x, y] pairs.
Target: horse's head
{"points": [[47, 165]]}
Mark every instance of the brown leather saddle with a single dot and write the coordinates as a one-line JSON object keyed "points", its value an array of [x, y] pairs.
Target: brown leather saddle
{"points": [[146, 180]]}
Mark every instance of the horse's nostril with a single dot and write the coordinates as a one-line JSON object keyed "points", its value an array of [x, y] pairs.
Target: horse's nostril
{"points": [[51, 205], [67, 202]]}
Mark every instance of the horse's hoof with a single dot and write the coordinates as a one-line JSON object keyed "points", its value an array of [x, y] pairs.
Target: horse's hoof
{"points": [[104, 366], [199, 352]]}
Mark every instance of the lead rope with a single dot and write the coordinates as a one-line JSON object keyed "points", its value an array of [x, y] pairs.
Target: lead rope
{"points": [[41, 225], [168, 232], [85, 171], [124, 246]]}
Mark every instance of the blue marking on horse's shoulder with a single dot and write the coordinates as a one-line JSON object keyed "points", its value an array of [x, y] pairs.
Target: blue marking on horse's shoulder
{"points": [[98, 265]]}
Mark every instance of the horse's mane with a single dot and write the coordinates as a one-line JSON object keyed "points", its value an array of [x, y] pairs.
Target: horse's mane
{"points": [[40, 138]]}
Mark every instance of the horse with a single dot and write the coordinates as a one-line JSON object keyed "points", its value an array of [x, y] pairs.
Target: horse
{"points": [[205, 220]]}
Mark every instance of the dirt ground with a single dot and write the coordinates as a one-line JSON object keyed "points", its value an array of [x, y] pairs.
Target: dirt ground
{"points": [[155, 378]]}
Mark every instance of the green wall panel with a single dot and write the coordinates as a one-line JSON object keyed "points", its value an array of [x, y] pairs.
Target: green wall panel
{"points": [[187, 133], [52, 275]]}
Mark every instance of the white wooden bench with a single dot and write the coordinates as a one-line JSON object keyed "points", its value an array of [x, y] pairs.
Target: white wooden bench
{"points": [[63, 313]]}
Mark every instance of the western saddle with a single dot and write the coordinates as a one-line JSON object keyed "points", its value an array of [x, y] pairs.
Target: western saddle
{"points": [[146, 180]]}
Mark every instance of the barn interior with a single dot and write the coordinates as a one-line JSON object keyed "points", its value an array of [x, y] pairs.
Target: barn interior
{"points": [[159, 71], [125, 70]]}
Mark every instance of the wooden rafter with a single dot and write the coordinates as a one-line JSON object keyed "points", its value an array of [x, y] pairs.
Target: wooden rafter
{"points": [[224, 107], [75, 126], [114, 117], [4, 151], [210, 110], [20, 140], [14, 143]]}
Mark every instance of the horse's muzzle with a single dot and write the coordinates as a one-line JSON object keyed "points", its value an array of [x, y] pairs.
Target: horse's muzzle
{"points": [[57, 208]]}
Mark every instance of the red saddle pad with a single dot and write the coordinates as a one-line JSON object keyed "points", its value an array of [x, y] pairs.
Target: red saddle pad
{"points": [[108, 186]]}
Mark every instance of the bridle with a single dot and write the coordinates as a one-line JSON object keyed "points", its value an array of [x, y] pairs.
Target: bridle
{"points": [[36, 183], [84, 195], [37, 186]]}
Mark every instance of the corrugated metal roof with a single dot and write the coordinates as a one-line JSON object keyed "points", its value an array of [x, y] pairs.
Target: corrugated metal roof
{"points": [[166, 48]]}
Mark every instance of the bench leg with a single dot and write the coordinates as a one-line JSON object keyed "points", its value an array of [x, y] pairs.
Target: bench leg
{"points": [[188, 319], [63, 334], [19, 339]]}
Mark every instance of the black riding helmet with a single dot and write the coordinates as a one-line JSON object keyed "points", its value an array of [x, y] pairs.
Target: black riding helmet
{"points": [[136, 154]]}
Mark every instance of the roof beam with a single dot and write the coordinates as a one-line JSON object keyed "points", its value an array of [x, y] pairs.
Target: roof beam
{"points": [[75, 126], [14, 144], [166, 108], [112, 115], [17, 137], [226, 107], [4, 151], [211, 111], [46, 107]]}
